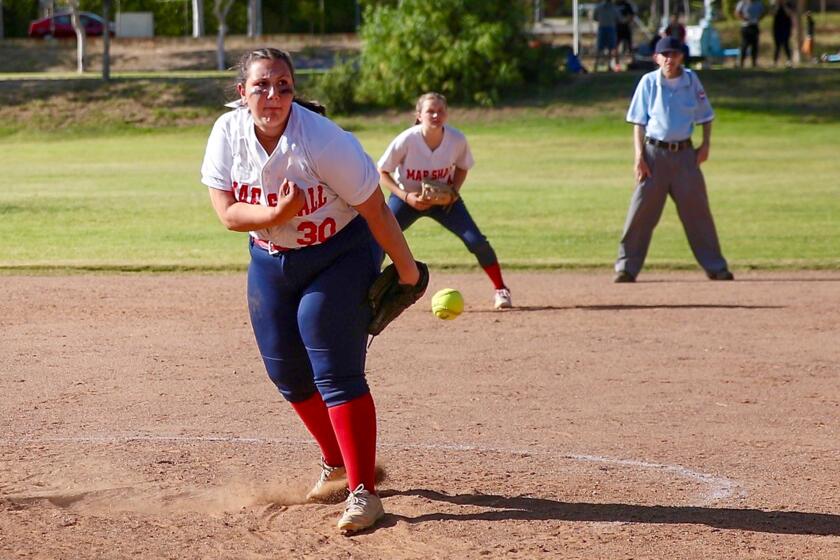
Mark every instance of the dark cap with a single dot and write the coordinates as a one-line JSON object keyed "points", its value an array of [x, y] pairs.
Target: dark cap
{"points": [[668, 44]]}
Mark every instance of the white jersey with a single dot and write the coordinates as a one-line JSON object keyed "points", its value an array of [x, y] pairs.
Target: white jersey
{"points": [[411, 161], [327, 163]]}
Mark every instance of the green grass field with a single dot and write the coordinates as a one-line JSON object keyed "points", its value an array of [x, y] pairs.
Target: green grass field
{"points": [[550, 188]]}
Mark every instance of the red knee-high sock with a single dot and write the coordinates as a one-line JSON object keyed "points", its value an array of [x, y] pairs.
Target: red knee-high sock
{"points": [[494, 271], [354, 423], [314, 414]]}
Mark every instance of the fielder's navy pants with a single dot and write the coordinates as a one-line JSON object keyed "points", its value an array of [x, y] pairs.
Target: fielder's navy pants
{"points": [[456, 219], [310, 314]]}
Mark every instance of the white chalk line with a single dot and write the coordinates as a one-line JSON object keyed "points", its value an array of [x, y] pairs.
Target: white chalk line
{"points": [[718, 487]]}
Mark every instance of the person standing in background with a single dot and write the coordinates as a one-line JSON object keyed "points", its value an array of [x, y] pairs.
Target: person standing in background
{"points": [[607, 16], [808, 43], [624, 31], [782, 26], [750, 13]]}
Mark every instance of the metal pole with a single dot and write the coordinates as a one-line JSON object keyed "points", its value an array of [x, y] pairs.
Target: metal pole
{"points": [[575, 27]]}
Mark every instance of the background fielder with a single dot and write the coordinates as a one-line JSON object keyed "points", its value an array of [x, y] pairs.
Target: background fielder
{"points": [[433, 151]]}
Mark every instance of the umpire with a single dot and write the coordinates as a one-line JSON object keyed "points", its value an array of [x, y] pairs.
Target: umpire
{"points": [[666, 105]]}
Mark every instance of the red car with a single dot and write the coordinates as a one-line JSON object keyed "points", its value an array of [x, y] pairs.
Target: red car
{"points": [[59, 25]]}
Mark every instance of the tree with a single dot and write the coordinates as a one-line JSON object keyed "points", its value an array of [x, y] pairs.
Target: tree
{"points": [[1, 19], [221, 8], [81, 38], [255, 22], [198, 18]]}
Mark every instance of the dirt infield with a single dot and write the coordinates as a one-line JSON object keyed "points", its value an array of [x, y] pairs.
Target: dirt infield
{"points": [[673, 418]]}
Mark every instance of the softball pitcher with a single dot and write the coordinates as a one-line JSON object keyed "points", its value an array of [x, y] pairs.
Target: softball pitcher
{"points": [[299, 183], [433, 151]]}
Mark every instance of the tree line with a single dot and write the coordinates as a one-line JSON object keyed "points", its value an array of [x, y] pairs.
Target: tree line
{"points": [[173, 18]]}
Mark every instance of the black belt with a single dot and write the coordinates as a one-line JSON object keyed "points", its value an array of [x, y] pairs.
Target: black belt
{"points": [[670, 146]]}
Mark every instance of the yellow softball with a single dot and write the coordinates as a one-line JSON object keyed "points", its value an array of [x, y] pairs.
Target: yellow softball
{"points": [[447, 304]]}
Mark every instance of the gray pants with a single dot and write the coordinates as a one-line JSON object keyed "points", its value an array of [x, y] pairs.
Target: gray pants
{"points": [[677, 174]]}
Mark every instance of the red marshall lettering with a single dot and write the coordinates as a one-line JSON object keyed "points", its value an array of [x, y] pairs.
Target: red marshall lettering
{"points": [[433, 174], [314, 199], [246, 193]]}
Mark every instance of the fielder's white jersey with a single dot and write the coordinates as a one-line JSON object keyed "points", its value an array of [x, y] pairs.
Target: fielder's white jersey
{"points": [[411, 161], [327, 163]]}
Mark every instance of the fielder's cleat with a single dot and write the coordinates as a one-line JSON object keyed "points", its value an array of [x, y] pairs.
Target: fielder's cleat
{"points": [[721, 275], [502, 299], [623, 277], [362, 509], [331, 486]]}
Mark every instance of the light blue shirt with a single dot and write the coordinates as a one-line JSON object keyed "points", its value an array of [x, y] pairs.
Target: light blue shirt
{"points": [[750, 10], [669, 114]]}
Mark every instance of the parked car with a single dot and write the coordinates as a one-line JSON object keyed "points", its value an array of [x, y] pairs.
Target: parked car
{"points": [[59, 25]]}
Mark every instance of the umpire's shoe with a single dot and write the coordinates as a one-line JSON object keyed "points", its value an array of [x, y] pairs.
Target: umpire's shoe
{"points": [[623, 277], [362, 509], [720, 275]]}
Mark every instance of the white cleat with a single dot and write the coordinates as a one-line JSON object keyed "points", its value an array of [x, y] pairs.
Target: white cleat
{"points": [[361, 511], [331, 486], [502, 299]]}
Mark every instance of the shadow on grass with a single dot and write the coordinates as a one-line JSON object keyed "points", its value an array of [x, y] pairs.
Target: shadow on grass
{"points": [[807, 94], [524, 508]]}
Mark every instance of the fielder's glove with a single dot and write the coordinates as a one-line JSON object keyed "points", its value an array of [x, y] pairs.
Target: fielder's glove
{"points": [[388, 298], [439, 194]]}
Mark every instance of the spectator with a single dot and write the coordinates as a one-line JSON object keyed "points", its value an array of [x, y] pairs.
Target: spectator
{"points": [[782, 26], [677, 30], [750, 13], [808, 43], [627, 14], [607, 16]]}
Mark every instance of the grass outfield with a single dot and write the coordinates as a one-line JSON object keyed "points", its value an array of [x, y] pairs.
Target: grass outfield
{"points": [[548, 190]]}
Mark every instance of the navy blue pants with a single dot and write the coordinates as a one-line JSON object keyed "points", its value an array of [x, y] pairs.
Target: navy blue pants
{"points": [[310, 314], [456, 219]]}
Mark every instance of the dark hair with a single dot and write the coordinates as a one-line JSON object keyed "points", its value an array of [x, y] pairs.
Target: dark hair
{"points": [[265, 53], [269, 53], [313, 106]]}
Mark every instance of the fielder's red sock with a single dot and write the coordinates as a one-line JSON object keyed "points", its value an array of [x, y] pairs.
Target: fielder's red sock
{"points": [[314, 414], [494, 271], [354, 423]]}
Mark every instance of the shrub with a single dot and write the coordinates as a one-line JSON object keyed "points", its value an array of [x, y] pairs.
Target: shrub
{"points": [[468, 50], [336, 88]]}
